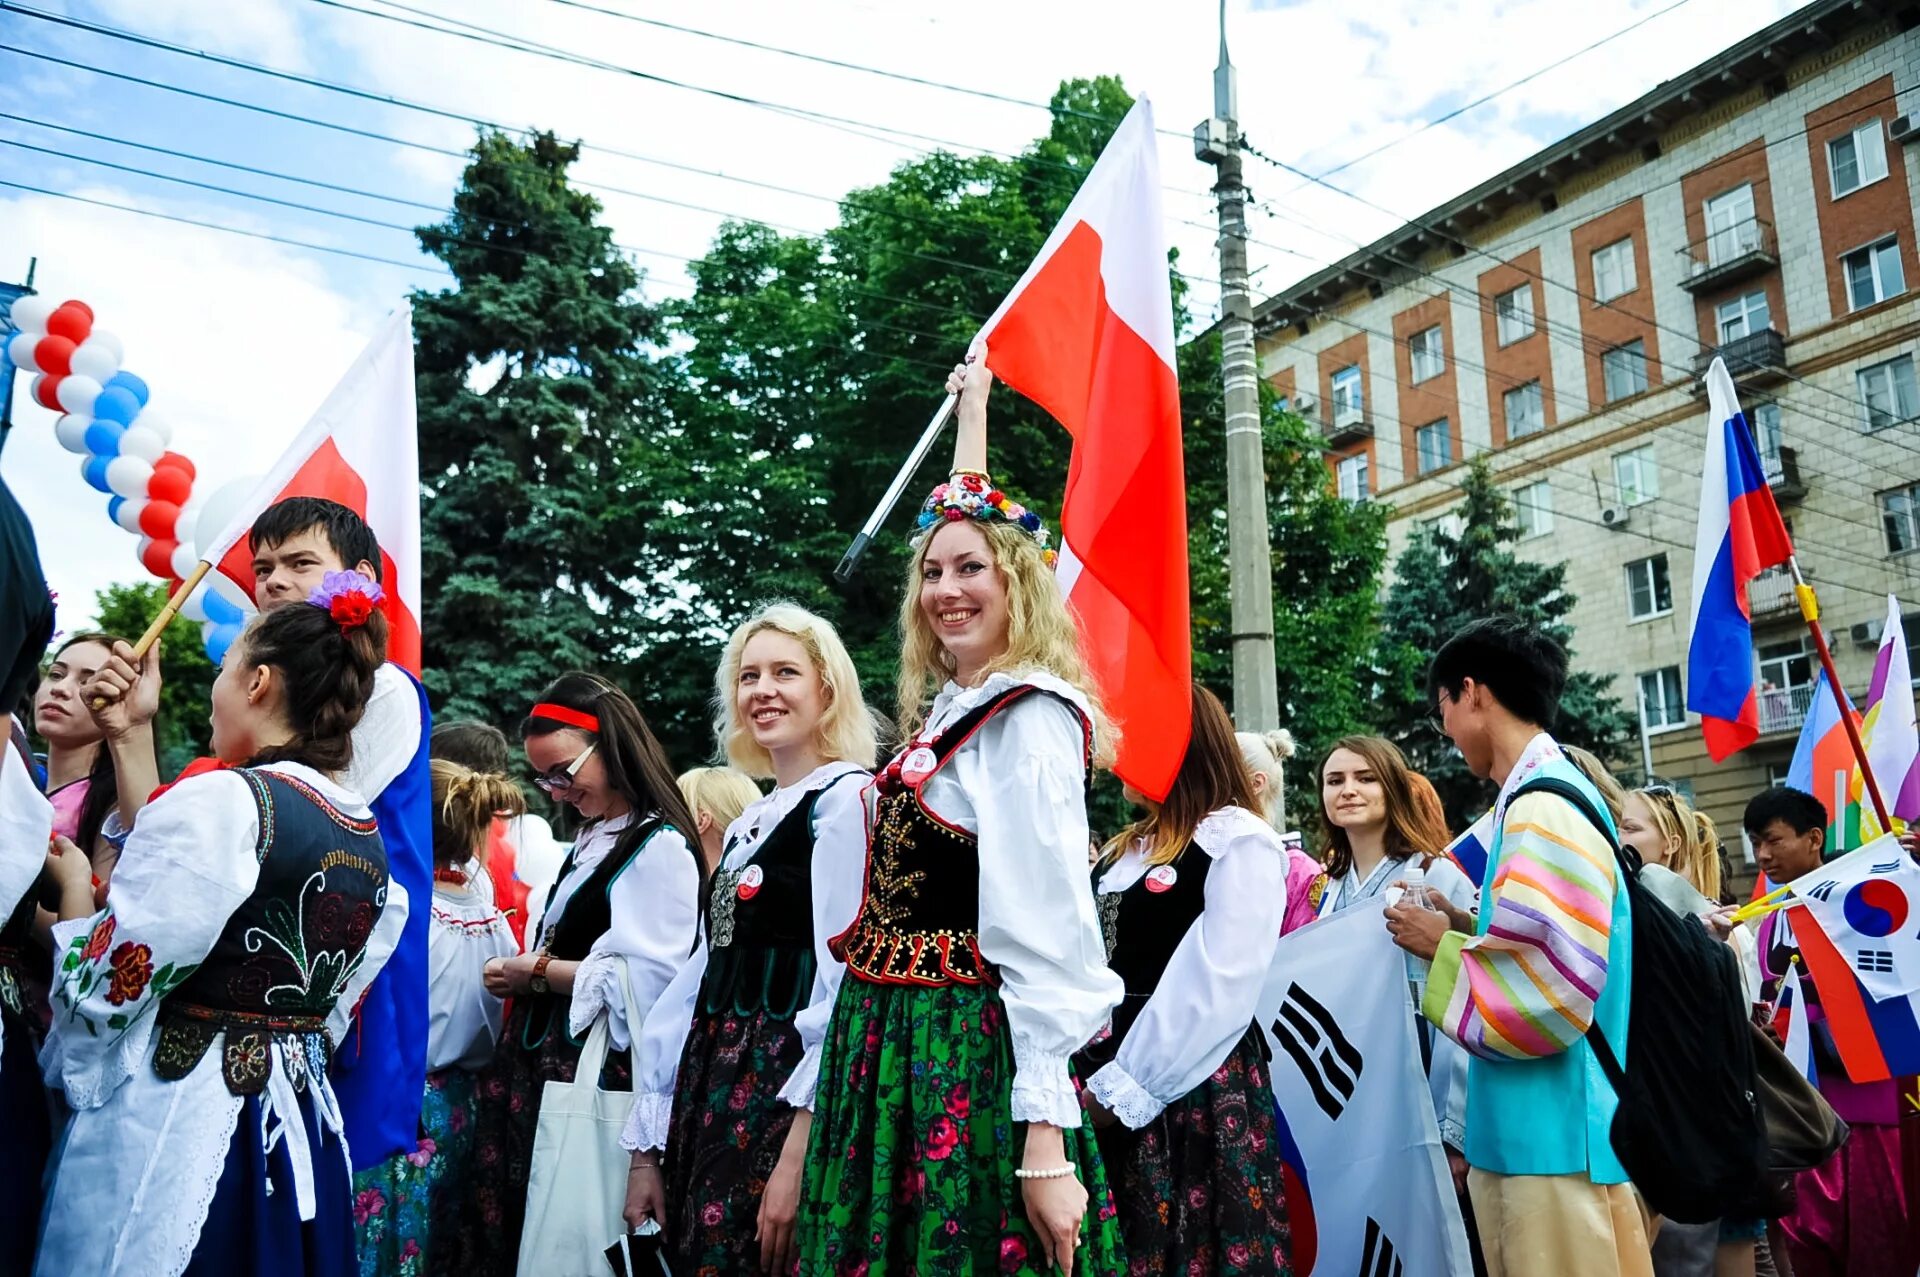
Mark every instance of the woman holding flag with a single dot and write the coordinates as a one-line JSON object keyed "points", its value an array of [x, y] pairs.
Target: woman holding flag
{"points": [[947, 1133]]}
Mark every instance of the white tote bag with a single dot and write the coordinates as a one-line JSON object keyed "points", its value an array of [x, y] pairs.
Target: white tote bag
{"points": [[577, 1186]]}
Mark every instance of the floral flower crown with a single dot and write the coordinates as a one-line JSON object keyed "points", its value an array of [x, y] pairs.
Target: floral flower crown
{"points": [[348, 598], [970, 494]]}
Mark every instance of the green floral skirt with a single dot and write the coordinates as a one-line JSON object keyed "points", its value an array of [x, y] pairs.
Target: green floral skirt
{"points": [[910, 1167]]}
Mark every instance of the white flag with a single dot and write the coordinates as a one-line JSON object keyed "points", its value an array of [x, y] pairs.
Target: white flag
{"points": [[1354, 1105], [1866, 902]]}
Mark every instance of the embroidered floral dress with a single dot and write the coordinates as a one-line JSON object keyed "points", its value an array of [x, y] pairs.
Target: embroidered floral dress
{"points": [[192, 1023], [974, 970]]}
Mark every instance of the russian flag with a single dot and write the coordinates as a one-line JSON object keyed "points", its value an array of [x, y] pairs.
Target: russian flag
{"points": [[1790, 1022], [1470, 850], [1739, 535]]}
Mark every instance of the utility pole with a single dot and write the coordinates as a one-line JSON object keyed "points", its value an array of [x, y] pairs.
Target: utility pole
{"points": [[9, 294], [1216, 141]]}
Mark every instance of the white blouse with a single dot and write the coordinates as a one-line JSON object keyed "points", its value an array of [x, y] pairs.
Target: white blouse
{"points": [[838, 874], [387, 736], [465, 932], [655, 924], [1204, 1003], [1019, 786], [136, 1172]]}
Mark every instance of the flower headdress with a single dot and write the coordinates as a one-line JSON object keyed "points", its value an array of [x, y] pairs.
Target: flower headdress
{"points": [[970, 494], [348, 597]]}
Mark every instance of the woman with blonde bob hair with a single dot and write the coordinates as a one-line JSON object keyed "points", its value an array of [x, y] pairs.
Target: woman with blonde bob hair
{"points": [[948, 1134], [716, 796], [738, 1019]]}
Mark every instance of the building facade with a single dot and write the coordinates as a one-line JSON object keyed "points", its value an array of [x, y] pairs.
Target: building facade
{"points": [[1556, 319]]}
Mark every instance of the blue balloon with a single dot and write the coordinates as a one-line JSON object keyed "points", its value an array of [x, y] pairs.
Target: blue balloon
{"points": [[218, 639], [116, 404], [220, 611], [132, 384], [103, 438], [96, 473], [114, 507]]}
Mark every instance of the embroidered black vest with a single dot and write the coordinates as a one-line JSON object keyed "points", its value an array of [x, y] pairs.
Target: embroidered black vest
{"points": [[1144, 926], [284, 958], [920, 913], [760, 925]]}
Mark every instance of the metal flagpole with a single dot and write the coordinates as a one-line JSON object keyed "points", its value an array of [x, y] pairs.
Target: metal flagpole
{"points": [[851, 559]]}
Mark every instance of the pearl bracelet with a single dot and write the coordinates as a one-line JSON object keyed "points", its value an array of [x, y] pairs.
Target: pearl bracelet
{"points": [[1052, 1172]]}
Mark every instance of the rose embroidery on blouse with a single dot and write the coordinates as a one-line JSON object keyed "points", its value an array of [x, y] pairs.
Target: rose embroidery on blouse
{"points": [[132, 968], [98, 939]]}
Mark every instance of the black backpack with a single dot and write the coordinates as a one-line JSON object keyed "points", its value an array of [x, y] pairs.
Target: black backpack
{"points": [[1688, 1129]]}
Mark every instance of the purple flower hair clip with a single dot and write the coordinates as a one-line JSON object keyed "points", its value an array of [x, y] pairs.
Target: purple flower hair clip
{"points": [[348, 598]]}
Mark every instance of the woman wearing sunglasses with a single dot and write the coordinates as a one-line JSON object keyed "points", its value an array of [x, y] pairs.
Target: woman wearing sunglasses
{"points": [[627, 897]]}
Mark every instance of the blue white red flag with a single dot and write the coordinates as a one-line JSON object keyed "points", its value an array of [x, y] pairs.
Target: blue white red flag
{"points": [[1790, 1021], [1470, 850], [1739, 535]]}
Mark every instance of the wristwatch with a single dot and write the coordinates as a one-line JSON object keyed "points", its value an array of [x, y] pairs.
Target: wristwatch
{"points": [[538, 980]]}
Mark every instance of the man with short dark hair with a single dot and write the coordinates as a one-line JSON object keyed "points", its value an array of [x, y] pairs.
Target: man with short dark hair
{"points": [[1552, 956], [1788, 830]]}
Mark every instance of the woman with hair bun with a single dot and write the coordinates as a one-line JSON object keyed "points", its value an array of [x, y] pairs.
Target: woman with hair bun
{"points": [[194, 1015], [1264, 753]]}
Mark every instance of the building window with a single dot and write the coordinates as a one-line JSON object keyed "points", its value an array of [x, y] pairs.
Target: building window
{"points": [[1731, 227], [1661, 699], [1624, 370], [1533, 508], [1613, 270], [1743, 317], [1888, 392], [1857, 159], [1513, 314], [1765, 420], [1900, 514], [1354, 481], [1874, 273], [1649, 593], [1434, 446], [1635, 477], [1526, 412], [1349, 400], [1429, 354], [1786, 685]]}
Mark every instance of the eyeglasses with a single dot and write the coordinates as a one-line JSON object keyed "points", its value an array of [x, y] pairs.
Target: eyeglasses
{"points": [[561, 779]]}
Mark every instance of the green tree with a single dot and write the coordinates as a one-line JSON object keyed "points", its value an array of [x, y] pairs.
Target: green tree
{"points": [[182, 732], [1442, 580], [535, 387]]}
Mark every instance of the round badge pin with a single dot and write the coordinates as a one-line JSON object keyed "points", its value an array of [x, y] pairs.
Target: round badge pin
{"points": [[918, 765], [750, 879], [1161, 877]]}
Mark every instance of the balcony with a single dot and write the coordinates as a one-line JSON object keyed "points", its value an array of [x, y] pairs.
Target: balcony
{"points": [[1784, 709], [1783, 474], [1757, 359], [1771, 592], [1728, 256], [1349, 425]]}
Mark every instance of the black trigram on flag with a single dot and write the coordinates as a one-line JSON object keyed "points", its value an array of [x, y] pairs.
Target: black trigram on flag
{"points": [[1875, 960], [1310, 1034], [1822, 891], [1379, 1259], [1891, 866]]}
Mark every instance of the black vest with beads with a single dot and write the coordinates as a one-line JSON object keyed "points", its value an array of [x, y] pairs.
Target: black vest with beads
{"points": [[1143, 925]]}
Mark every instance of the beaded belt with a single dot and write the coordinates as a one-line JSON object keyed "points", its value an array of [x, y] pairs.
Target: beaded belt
{"points": [[246, 1059]]}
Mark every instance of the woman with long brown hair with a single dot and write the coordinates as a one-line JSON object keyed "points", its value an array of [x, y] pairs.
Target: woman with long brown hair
{"points": [[1374, 819], [1191, 899]]}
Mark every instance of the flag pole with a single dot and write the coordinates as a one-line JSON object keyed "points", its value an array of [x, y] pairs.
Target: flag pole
{"points": [[1810, 612], [167, 613], [891, 497]]}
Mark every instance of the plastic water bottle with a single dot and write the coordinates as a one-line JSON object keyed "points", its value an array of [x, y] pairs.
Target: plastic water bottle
{"points": [[1414, 877]]}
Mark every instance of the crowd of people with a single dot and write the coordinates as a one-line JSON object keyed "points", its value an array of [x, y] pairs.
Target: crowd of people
{"points": [[872, 1009]]}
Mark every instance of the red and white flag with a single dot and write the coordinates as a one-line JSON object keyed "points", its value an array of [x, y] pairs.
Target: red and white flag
{"points": [[362, 449], [1087, 334]]}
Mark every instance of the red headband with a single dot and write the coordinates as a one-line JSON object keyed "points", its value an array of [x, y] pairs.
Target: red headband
{"points": [[571, 717]]}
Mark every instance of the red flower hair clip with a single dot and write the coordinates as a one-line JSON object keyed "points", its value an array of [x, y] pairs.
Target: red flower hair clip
{"points": [[349, 598]]}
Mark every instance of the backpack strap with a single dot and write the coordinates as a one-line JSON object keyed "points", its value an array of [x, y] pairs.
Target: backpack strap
{"points": [[1629, 862]]}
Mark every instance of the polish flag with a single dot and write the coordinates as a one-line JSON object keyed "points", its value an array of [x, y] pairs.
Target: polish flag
{"points": [[362, 450], [1087, 334]]}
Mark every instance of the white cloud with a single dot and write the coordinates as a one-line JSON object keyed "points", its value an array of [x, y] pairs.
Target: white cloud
{"points": [[252, 29]]}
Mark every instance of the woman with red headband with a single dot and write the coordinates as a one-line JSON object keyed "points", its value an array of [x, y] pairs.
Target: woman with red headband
{"points": [[618, 924]]}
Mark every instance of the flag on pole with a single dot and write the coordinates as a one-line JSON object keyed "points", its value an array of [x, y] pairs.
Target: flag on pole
{"points": [[1889, 731], [362, 449], [1739, 535], [1790, 1022], [1087, 334], [1823, 765], [1877, 1038], [1864, 902]]}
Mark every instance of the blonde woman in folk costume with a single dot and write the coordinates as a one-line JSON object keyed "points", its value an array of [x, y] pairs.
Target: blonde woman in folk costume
{"points": [[947, 1131]]}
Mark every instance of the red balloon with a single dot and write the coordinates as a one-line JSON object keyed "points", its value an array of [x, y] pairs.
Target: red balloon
{"points": [[80, 306], [72, 320], [158, 558], [158, 517], [54, 354], [46, 389], [174, 461], [170, 485]]}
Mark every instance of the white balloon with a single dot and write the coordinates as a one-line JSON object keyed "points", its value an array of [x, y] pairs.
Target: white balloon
{"points": [[32, 312], [151, 420], [71, 431], [130, 515], [20, 351], [140, 551], [76, 393], [138, 441], [217, 510], [183, 562], [128, 476], [222, 584], [94, 360], [111, 344], [189, 518], [195, 607]]}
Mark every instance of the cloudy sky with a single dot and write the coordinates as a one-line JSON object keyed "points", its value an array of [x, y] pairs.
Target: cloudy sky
{"points": [[240, 337]]}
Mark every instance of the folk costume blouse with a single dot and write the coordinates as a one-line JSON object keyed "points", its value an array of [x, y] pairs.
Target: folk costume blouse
{"points": [[1018, 786], [1204, 1002], [26, 818], [837, 871], [464, 933], [654, 906], [141, 1159]]}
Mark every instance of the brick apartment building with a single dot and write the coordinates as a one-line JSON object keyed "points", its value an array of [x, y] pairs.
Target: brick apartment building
{"points": [[1556, 318]]}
